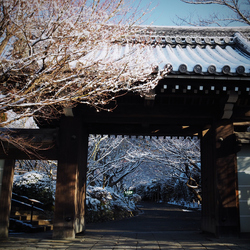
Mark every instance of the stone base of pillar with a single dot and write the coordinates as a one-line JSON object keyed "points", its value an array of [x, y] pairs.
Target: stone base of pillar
{"points": [[63, 233], [79, 225], [68, 230]]}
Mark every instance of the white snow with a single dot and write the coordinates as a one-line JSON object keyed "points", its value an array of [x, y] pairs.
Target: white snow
{"points": [[244, 43], [19, 123]]}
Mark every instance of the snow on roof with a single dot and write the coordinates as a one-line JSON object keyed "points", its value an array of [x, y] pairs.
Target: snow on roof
{"points": [[205, 51]]}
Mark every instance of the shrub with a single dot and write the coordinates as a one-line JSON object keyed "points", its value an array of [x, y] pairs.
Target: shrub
{"points": [[35, 185], [103, 204]]}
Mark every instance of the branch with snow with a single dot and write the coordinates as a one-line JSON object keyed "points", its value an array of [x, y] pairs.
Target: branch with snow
{"points": [[57, 54]]}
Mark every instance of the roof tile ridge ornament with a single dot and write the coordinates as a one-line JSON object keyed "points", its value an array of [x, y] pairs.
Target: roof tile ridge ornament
{"points": [[185, 31], [242, 42], [191, 40], [193, 35]]}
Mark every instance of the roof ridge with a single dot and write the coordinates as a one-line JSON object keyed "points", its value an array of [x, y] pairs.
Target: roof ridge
{"points": [[186, 31], [190, 35]]}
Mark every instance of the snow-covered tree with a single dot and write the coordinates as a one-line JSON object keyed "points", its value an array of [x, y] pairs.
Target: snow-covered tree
{"points": [[47, 167], [36, 185], [239, 9], [168, 162], [110, 160], [120, 160], [56, 54], [158, 168]]}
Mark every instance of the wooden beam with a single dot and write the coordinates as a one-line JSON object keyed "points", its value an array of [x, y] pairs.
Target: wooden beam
{"points": [[246, 123], [144, 129]]}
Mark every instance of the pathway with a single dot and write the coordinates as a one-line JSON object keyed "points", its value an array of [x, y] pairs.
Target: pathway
{"points": [[160, 226]]}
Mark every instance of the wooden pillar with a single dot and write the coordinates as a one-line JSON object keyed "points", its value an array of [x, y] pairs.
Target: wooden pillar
{"points": [[5, 197], [69, 216], [1, 173], [208, 177], [220, 213], [226, 183]]}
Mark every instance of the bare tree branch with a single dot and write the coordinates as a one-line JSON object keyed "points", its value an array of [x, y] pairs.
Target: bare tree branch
{"points": [[240, 13], [65, 52]]}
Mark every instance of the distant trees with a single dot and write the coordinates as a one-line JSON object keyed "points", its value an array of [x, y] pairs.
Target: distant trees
{"points": [[159, 168], [48, 167], [239, 9], [112, 161], [178, 161]]}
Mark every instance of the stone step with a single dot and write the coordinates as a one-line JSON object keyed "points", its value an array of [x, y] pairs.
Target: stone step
{"points": [[26, 226], [26, 215], [20, 221], [24, 212], [38, 222]]}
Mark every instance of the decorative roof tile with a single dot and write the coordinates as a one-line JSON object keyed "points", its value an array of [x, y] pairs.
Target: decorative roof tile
{"points": [[202, 51], [191, 35]]}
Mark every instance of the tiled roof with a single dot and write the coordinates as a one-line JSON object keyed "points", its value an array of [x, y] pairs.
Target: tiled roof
{"points": [[190, 50], [206, 51], [208, 59]]}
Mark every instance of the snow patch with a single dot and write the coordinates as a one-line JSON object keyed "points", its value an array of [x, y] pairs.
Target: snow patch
{"points": [[242, 42]]}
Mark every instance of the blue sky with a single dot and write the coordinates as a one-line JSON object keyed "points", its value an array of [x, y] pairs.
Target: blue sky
{"points": [[166, 11]]}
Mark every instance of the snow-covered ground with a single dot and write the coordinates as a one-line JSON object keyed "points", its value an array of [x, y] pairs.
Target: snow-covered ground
{"points": [[185, 204]]}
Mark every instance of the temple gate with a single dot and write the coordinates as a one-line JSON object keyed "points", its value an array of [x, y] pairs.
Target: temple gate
{"points": [[207, 94]]}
